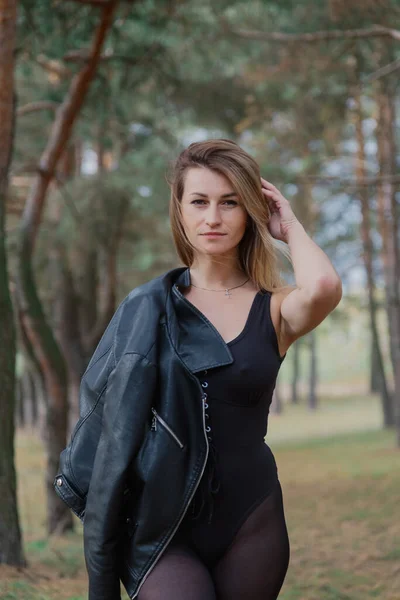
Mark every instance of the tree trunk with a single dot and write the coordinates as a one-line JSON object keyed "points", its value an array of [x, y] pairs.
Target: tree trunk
{"points": [[65, 305], [312, 396], [33, 399], [296, 371], [67, 329], [22, 401], [11, 551], [387, 406], [35, 368], [375, 380], [388, 224], [59, 517], [28, 406], [276, 404], [87, 282]]}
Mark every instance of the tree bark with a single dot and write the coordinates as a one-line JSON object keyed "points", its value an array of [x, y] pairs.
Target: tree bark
{"points": [[296, 372], [312, 395], [21, 402], [67, 331], [388, 224], [35, 369], [41, 336], [108, 275], [276, 404], [387, 405], [375, 379], [33, 400], [11, 551]]}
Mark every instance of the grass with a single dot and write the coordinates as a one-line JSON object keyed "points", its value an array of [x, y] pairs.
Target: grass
{"points": [[340, 476], [343, 414], [341, 499]]}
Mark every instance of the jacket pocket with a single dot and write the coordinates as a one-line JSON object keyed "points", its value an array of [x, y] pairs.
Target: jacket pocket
{"points": [[160, 420], [75, 501]]}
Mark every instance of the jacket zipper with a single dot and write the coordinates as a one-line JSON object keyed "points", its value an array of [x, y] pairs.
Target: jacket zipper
{"points": [[187, 505], [177, 292], [165, 425]]}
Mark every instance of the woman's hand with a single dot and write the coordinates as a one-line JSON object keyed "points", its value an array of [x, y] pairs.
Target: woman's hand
{"points": [[282, 216]]}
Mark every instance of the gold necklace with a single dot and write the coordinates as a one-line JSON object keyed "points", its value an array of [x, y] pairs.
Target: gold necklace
{"points": [[227, 290]]}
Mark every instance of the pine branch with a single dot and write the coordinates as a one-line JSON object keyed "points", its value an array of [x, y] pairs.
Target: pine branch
{"points": [[101, 3], [366, 181], [36, 106], [52, 66], [317, 36], [383, 71]]}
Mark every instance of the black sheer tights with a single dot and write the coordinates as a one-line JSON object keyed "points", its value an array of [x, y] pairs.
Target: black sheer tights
{"points": [[252, 568]]}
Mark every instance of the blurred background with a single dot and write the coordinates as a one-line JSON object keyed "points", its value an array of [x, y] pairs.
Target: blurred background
{"points": [[97, 98]]}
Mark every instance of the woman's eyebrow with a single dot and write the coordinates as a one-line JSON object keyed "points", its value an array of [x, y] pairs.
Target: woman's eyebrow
{"points": [[205, 195]]}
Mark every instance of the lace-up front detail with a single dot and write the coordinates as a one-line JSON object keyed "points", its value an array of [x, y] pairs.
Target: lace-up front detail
{"points": [[210, 483]]}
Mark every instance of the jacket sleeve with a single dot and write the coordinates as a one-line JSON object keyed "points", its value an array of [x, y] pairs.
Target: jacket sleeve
{"points": [[130, 389], [73, 476]]}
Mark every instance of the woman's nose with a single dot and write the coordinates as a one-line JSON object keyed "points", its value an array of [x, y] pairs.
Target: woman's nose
{"points": [[212, 216]]}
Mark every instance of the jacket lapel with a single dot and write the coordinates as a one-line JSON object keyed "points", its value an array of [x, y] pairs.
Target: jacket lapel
{"points": [[195, 338]]}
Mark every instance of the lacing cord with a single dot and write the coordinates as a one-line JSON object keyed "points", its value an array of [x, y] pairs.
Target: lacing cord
{"points": [[210, 482]]}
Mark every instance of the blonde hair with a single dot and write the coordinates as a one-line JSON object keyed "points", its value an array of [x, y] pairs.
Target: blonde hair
{"points": [[257, 250]]}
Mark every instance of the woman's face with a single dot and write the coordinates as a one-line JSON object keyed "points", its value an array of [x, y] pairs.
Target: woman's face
{"points": [[210, 205]]}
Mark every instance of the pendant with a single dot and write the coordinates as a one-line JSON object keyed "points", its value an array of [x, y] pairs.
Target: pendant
{"points": [[227, 293]]}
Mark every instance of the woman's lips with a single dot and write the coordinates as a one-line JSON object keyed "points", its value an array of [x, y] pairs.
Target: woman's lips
{"points": [[213, 234]]}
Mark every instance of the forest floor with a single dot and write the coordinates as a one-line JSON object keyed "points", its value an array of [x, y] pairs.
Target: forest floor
{"points": [[340, 475]]}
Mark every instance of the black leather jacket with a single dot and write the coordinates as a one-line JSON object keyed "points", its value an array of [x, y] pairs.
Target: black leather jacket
{"points": [[139, 448]]}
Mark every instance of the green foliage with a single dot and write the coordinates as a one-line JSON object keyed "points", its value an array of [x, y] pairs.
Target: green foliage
{"points": [[177, 71], [55, 28]]}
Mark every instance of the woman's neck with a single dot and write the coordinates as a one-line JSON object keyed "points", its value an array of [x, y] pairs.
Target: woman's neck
{"points": [[216, 276]]}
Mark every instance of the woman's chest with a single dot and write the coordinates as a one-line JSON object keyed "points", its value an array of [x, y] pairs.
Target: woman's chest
{"points": [[229, 315], [250, 377]]}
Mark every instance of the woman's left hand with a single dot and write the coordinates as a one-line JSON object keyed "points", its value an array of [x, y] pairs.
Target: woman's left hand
{"points": [[282, 216]]}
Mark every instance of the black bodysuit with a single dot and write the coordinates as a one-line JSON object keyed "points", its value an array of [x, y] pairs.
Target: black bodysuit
{"points": [[241, 474]]}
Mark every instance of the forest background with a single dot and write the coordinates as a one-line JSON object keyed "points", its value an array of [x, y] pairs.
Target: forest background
{"points": [[97, 98]]}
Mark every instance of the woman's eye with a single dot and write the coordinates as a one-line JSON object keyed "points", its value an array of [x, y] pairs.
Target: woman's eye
{"points": [[231, 202]]}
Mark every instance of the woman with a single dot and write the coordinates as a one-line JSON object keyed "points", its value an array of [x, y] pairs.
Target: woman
{"points": [[184, 500], [223, 217]]}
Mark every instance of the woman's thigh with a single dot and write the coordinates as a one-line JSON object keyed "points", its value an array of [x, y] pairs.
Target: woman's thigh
{"points": [[178, 575], [255, 565]]}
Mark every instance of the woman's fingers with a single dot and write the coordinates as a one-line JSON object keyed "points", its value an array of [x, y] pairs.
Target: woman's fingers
{"points": [[268, 184], [272, 194]]}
